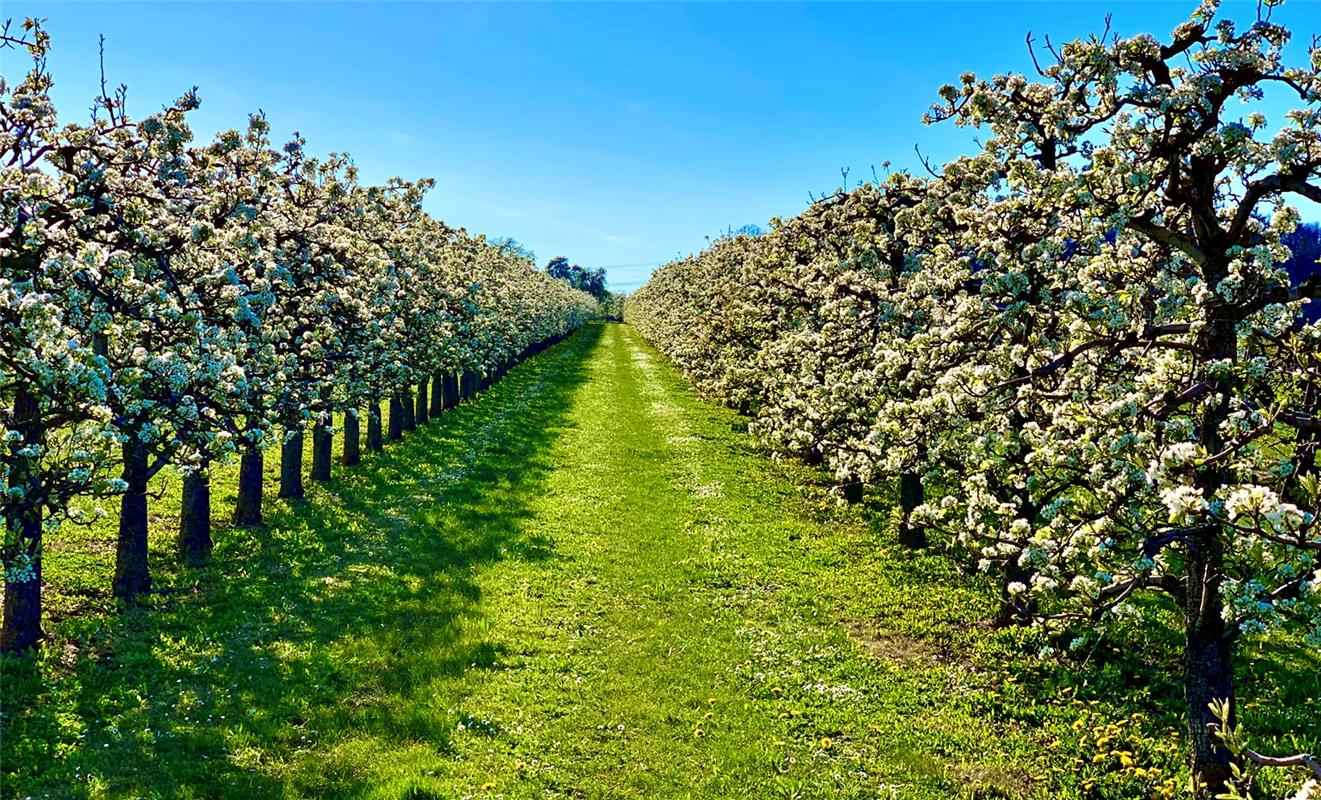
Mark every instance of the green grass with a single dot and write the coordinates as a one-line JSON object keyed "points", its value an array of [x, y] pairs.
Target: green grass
{"points": [[587, 583]]}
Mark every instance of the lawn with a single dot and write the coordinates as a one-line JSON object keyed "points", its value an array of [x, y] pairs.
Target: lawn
{"points": [[585, 583]]}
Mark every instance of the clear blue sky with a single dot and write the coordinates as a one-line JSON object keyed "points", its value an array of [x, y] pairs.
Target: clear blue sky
{"points": [[614, 134]]}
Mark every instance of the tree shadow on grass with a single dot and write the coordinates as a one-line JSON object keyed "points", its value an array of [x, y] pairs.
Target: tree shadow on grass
{"points": [[325, 654]]}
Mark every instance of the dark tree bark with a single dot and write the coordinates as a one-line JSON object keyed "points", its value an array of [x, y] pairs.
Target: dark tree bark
{"points": [[132, 578], [323, 443], [853, 492], [22, 611], [352, 438], [1207, 664], [291, 465], [420, 409], [1207, 656], [911, 495], [374, 442], [247, 511], [21, 628], [195, 519], [396, 430], [437, 394], [1015, 609], [450, 394], [406, 406]]}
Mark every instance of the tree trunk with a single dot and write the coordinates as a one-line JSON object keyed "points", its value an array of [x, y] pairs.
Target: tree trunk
{"points": [[437, 394], [420, 410], [132, 578], [291, 465], [1207, 664], [374, 443], [1015, 609], [853, 492], [406, 405], [449, 391], [352, 438], [911, 495], [21, 629], [195, 518], [323, 443], [247, 511], [22, 612], [396, 431]]}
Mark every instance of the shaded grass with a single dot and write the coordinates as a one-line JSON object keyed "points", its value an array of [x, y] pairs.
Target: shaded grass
{"points": [[585, 584]]}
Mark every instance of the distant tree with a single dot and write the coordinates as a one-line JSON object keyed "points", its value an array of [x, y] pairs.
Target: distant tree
{"points": [[558, 267], [1304, 245], [509, 246], [591, 281]]}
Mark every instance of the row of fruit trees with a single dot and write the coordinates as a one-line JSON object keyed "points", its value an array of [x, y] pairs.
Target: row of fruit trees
{"points": [[1072, 354], [172, 304]]}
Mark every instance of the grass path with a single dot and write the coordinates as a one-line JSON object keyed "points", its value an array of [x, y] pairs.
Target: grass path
{"points": [[585, 584]]}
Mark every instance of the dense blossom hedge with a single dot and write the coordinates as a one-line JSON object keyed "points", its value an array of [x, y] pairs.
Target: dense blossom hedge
{"points": [[1074, 351], [165, 303]]}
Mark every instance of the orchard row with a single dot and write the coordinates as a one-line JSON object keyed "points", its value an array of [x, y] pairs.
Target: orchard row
{"points": [[168, 304], [1074, 355]]}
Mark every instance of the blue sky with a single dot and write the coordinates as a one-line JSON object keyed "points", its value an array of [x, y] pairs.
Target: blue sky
{"points": [[619, 135]]}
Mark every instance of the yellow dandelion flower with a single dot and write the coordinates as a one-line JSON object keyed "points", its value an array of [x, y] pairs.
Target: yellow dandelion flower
{"points": [[827, 743], [488, 786]]}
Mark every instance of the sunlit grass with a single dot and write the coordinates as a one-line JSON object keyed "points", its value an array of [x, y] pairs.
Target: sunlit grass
{"points": [[585, 584]]}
